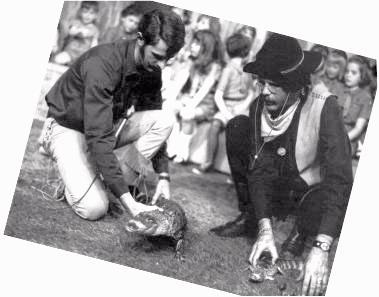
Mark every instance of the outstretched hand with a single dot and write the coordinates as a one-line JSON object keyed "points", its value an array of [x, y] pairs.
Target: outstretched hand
{"points": [[316, 273], [264, 243], [162, 189]]}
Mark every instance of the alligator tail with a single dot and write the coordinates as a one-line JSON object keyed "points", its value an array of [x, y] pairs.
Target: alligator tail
{"points": [[285, 265]]}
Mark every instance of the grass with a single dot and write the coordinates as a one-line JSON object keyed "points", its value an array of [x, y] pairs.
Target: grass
{"points": [[207, 200]]}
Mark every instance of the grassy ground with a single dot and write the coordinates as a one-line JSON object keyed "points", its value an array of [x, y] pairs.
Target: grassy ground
{"points": [[208, 201]]}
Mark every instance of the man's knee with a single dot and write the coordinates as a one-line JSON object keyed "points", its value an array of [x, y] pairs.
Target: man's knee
{"points": [[164, 122], [238, 122], [92, 208], [237, 134]]}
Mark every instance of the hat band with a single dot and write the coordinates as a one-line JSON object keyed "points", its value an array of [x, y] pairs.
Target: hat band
{"points": [[294, 67]]}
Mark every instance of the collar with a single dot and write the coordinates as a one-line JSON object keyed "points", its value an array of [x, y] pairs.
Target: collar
{"points": [[272, 128], [329, 81], [353, 92], [130, 60]]}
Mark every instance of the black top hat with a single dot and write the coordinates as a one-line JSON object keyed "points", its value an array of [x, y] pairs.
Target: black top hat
{"points": [[282, 60]]}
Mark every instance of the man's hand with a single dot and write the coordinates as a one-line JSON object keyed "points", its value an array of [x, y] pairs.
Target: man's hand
{"points": [[134, 207], [316, 272], [265, 242], [163, 189]]}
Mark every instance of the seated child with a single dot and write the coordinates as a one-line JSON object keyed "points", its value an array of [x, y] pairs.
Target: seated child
{"points": [[128, 26], [81, 34], [233, 94]]}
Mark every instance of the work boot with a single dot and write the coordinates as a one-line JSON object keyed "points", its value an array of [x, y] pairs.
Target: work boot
{"points": [[294, 245], [239, 227]]}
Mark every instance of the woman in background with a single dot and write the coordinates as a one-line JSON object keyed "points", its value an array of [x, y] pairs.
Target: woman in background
{"points": [[197, 104]]}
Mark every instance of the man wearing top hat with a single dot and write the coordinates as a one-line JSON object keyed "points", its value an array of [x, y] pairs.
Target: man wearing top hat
{"points": [[290, 156]]}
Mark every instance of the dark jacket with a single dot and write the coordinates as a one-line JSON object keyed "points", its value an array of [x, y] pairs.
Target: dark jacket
{"points": [[95, 92], [273, 174]]}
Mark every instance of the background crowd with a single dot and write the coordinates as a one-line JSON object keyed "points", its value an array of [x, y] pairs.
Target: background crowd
{"points": [[204, 85]]}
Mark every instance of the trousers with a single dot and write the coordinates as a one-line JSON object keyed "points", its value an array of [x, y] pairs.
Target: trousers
{"points": [[140, 139]]}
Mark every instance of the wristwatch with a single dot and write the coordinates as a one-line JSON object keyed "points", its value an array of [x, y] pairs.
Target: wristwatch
{"points": [[322, 245], [165, 177]]}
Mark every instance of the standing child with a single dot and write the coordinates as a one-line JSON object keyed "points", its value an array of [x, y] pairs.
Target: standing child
{"points": [[128, 26], [198, 104], [81, 34], [233, 94], [357, 101], [335, 67]]}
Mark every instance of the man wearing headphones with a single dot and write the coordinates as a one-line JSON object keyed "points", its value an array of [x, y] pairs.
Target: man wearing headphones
{"points": [[91, 133]]}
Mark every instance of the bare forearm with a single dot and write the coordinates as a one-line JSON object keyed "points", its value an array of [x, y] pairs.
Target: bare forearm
{"points": [[356, 132], [220, 103]]}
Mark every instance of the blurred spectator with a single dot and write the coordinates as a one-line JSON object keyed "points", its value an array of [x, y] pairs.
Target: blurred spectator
{"points": [[82, 34], [371, 65], [233, 94], [198, 103], [206, 22], [128, 26], [335, 67], [357, 101], [324, 51], [186, 18], [203, 22], [250, 33], [373, 80]]}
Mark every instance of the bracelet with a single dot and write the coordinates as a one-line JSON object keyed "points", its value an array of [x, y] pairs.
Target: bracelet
{"points": [[265, 231], [164, 177]]}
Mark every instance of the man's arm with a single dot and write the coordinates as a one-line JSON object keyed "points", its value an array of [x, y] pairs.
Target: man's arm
{"points": [[160, 160], [98, 80], [262, 175], [336, 168]]}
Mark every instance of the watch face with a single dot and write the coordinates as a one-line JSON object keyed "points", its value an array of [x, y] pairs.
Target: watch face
{"points": [[324, 246]]}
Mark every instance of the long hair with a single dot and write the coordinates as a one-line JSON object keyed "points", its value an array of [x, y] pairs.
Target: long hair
{"points": [[210, 51], [339, 57], [363, 69]]}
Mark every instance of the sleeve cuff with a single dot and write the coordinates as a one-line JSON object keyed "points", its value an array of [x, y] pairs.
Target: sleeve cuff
{"points": [[119, 188]]}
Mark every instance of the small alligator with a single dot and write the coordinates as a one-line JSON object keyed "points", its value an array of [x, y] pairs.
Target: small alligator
{"points": [[170, 223], [265, 270]]}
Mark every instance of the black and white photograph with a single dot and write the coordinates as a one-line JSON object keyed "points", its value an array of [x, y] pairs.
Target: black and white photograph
{"points": [[194, 147]]}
